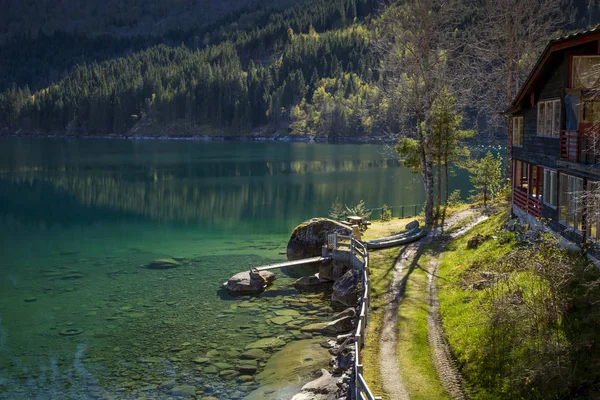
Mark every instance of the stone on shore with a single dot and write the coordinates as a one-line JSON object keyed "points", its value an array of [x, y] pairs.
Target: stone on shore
{"points": [[341, 325], [309, 237], [248, 282], [332, 270], [323, 388], [346, 290]]}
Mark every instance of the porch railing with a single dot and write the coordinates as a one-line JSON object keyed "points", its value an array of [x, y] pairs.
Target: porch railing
{"points": [[581, 146], [527, 203]]}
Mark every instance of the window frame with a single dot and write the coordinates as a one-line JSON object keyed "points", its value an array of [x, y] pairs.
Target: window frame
{"points": [[517, 139], [571, 213], [548, 193], [572, 68], [549, 106], [590, 220]]}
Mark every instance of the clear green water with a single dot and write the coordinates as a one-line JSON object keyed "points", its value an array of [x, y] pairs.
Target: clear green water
{"points": [[80, 218]]}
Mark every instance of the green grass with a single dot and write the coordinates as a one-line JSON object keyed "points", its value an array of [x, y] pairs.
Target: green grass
{"points": [[382, 273], [414, 355], [510, 349]]}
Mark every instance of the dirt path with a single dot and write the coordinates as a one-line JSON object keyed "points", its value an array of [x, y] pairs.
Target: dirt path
{"points": [[443, 361], [442, 357]]}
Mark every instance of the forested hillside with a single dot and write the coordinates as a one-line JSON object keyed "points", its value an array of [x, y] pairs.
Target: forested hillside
{"points": [[246, 78], [117, 17], [306, 70]]}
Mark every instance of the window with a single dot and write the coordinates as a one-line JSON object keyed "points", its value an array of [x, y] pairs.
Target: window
{"points": [[585, 72], [517, 128], [571, 210], [521, 173], [550, 188], [548, 118], [593, 210]]}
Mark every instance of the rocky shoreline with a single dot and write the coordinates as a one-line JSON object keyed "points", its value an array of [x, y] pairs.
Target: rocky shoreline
{"points": [[276, 137], [307, 240]]}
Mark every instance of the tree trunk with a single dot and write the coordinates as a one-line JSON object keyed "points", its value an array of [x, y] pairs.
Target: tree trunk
{"points": [[446, 184], [428, 168], [439, 183]]}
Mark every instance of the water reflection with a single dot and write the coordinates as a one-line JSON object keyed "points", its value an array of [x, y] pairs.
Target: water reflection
{"points": [[202, 186]]}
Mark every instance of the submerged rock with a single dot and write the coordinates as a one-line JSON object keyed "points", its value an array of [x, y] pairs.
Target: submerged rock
{"points": [[309, 237], [163, 263], [266, 343], [184, 391], [346, 290], [249, 282], [289, 369], [254, 354], [307, 282]]}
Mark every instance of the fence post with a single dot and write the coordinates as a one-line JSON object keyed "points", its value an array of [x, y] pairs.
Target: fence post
{"points": [[334, 241], [415, 210], [402, 212]]}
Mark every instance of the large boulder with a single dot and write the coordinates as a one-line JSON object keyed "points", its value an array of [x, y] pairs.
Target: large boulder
{"points": [[249, 282], [346, 290], [309, 237]]}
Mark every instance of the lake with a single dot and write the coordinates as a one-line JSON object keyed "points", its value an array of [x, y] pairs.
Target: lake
{"points": [[81, 316]]}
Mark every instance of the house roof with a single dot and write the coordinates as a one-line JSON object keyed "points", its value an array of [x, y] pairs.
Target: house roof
{"points": [[558, 44]]}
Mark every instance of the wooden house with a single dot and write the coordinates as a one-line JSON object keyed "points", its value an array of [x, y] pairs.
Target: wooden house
{"points": [[555, 145]]}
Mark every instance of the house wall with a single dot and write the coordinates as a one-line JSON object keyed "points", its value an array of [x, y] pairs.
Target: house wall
{"points": [[545, 151]]}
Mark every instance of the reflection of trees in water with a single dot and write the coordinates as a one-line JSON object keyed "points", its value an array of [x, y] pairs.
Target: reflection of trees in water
{"points": [[226, 195]]}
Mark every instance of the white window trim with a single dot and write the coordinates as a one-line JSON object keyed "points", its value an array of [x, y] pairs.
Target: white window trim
{"points": [[573, 66], [554, 103], [552, 189], [520, 131], [560, 221]]}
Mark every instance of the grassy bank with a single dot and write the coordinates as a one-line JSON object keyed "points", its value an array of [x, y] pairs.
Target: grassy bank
{"points": [[520, 318]]}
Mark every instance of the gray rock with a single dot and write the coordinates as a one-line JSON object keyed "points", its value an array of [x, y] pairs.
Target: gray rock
{"points": [[307, 282], [341, 325], [348, 312], [309, 237], [322, 388], [332, 270], [248, 282], [346, 290]]}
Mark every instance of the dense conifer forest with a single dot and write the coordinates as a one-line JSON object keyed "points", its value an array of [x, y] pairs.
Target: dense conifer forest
{"points": [[308, 69]]}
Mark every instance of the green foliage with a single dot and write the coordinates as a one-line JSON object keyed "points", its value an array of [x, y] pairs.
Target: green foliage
{"points": [[337, 210], [312, 84], [409, 149], [358, 209], [455, 198], [386, 213], [519, 317], [487, 176]]}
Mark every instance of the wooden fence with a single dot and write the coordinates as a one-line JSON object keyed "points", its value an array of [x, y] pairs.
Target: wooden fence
{"points": [[358, 250], [405, 211]]}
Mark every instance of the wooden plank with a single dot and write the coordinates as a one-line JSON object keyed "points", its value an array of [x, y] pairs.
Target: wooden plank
{"points": [[294, 263]]}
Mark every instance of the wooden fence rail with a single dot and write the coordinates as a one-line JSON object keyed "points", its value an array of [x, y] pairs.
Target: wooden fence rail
{"points": [[362, 391]]}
